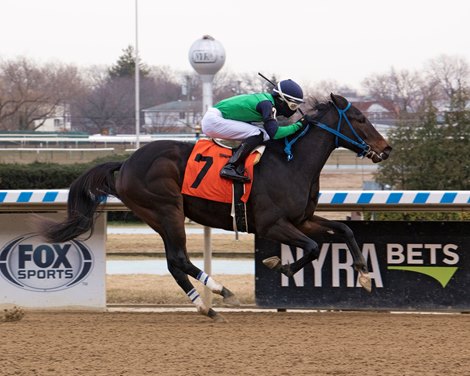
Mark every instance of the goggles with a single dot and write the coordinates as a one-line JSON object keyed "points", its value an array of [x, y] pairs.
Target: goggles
{"points": [[292, 102], [294, 106]]}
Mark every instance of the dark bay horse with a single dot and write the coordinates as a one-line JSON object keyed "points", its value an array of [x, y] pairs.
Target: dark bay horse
{"points": [[280, 208]]}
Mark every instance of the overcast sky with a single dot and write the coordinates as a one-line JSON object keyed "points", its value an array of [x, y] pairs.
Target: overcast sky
{"points": [[308, 41]]}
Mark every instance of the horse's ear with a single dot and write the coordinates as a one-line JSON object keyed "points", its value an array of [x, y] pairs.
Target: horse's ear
{"points": [[339, 101]]}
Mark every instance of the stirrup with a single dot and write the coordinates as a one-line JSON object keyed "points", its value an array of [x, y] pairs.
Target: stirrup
{"points": [[232, 174]]}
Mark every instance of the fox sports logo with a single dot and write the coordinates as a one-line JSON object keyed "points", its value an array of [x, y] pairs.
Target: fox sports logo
{"points": [[29, 263]]}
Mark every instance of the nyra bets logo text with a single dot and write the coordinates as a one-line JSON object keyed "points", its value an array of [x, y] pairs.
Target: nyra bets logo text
{"points": [[31, 264]]}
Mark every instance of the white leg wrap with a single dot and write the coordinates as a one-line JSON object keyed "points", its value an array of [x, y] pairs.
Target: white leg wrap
{"points": [[210, 283], [196, 299]]}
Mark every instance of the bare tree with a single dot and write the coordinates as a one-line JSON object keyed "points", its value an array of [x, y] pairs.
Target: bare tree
{"points": [[162, 86], [108, 105], [323, 89], [404, 88], [30, 93], [451, 76], [109, 102]]}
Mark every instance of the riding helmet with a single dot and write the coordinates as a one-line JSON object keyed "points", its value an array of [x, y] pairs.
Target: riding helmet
{"points": [[290, 92]]}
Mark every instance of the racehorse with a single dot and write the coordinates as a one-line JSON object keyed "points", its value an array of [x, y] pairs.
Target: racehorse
{"points": [[281, 206]]}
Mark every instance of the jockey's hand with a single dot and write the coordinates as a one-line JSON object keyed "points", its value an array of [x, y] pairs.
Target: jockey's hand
{"points": [[306, 119]]}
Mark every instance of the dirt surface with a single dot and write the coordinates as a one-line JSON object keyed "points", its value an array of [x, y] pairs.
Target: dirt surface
{"points": [[223, 245], [267, 343], [163, 289]]}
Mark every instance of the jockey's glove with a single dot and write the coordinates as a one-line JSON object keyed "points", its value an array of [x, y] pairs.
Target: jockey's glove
{"points": [[306, 119]]}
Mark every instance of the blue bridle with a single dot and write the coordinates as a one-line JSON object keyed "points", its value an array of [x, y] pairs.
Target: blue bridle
{"points": [[359, 142]]}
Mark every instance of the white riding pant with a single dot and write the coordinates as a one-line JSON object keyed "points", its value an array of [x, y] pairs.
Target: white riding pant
{"points": [[215, 126]]}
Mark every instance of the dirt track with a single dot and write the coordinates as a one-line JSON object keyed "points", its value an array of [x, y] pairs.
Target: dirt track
{"points": [[268, 343], [173, 344]]}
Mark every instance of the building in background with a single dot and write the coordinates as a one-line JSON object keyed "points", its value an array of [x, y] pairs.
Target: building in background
{"points": [[378, 111], [382, 113], [173, 117], [58, 120]]}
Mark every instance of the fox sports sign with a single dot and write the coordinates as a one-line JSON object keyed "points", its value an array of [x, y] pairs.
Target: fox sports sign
{"points": [[29, 263]]}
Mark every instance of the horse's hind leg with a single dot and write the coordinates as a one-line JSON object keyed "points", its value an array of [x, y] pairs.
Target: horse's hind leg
{"points": [[215, 287], [179, 259], [183, 281], [179, 262], [183, 264], [169, 223]]}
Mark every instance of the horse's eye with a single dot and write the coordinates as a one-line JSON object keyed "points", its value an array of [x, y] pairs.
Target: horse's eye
{"points": [[357, 115], [360, 118]]}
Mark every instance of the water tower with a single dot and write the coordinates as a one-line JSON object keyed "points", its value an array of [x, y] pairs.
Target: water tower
{"points": [[207, 57]]}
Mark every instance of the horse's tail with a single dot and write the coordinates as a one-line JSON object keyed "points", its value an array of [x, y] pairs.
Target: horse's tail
{"points": [[85, 195]]}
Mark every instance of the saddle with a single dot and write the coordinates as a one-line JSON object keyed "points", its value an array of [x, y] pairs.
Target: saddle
{"points": [[202, 179]]}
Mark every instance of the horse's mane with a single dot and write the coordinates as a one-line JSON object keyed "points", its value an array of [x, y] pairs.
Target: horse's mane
{"points": [[317, 106]]}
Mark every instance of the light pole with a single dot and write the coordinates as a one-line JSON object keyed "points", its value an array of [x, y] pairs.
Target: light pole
{"points": [[137, 79]]}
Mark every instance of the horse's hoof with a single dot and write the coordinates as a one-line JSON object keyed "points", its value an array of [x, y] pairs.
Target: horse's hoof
{"points": [[230, 298], [217, 317], [365, 281], [273, 262]]}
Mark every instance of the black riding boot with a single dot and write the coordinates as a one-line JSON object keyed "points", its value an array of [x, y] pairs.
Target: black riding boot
{"points": [[234, 169]]}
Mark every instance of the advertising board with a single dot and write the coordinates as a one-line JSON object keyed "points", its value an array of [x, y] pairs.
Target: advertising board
{"points": [[413, 266], [37, 274]]}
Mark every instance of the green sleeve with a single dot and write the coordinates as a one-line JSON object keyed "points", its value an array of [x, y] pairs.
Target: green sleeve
{"points": [[287, 130]]}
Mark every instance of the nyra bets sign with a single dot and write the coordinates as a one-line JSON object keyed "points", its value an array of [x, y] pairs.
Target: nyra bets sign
{"points": [[37, 274], [412, 265]]}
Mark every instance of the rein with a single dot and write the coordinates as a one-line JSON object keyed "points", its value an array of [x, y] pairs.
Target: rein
{"points": [[359, 142], [288, 147]]}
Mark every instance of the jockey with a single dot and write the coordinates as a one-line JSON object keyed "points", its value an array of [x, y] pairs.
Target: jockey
{"points": [[230, 119]]}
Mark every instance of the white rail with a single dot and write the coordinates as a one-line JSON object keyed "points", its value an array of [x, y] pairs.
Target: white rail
{"points": [[56, 200]]}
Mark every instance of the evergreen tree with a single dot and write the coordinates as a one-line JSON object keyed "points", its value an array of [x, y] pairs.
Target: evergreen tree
{"points": [[125, 66], [430, 155]]}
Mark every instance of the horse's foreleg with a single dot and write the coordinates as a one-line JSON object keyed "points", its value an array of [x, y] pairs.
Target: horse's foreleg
{"points": [[284, 232], [318, 226]]}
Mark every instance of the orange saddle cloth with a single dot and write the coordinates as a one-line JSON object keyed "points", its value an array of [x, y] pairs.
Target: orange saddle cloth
{"points": [[202, 179]]}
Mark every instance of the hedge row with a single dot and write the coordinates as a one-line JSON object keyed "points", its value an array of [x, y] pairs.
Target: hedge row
{"points": [[39, 175], [46, 175], [53, 176]]}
